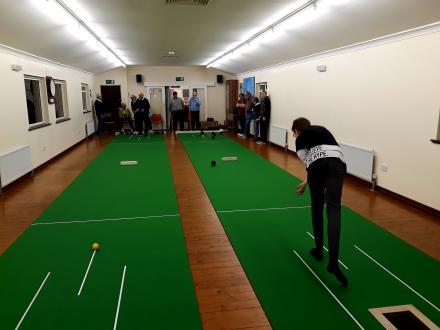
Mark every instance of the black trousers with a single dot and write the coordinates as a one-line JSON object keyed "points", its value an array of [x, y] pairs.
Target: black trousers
{"points": [[138, 122], [195, 120], [147, 123], [263, 130], [326, 178], [177, 117], [242, 121], [121, 122], [141, 119]]}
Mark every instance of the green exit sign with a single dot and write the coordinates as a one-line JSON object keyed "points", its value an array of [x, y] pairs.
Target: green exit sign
{"points": [[180, 78], [109, 82]]}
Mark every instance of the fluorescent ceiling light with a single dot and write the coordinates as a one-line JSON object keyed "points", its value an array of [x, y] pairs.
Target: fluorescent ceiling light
{"points": [[299, 14], [74, 20]]}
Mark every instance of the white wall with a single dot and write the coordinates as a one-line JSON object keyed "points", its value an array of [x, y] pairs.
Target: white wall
{"points": [[385, 97], [193, 75], [48, 141]]}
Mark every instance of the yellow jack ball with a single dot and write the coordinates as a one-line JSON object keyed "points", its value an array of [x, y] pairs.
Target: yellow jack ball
{"points": [[95, 246]]}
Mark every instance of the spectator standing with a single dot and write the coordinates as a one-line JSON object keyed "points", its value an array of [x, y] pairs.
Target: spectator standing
{"points": [[99, 110], [265, 108], [248, 114], [176, 108], [194, 108], [255, 117], [143, 108], [240, 110]]}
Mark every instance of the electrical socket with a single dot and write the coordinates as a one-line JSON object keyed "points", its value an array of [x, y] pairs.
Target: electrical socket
{"points": [[384, 167]]}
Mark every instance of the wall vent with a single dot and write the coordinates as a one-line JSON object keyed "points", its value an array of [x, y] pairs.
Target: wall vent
{"points": [[188, 2]]}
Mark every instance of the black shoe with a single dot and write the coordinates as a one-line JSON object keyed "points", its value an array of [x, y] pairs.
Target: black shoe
{"points": [[335, 270], [316, 253]]}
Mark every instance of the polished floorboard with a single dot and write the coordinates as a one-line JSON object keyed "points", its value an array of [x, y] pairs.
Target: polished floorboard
{"points": [[225, 297]]}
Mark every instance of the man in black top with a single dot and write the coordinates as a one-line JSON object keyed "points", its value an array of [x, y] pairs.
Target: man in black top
{"points": [[265, 107], [319, 151], [99, 110], [142, 114]]}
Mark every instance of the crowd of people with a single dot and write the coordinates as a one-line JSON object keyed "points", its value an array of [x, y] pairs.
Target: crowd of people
{"points": [[249, 110], [140, 112], [252, 110]]}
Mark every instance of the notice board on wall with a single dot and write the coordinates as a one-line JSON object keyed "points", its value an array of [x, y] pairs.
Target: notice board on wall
{"points": [[249, 85]]}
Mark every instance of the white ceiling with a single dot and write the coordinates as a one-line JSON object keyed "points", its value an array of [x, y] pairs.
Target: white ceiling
{"points": [[143, 31]]}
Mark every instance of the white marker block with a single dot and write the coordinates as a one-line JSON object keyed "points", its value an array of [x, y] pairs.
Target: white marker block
{"points": [[229, 159], [128, 162]]}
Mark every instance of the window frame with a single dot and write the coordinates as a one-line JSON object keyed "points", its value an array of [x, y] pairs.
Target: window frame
{"points": [[87, 103], [43, 102], [65, 105]]}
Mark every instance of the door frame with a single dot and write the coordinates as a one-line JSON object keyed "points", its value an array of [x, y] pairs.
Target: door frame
{"points": [[162, 85], [164, 107]]}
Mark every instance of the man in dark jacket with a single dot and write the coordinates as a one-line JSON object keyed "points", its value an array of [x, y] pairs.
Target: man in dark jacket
{"points": [[265, 107], [142, 114], [99, 111]]}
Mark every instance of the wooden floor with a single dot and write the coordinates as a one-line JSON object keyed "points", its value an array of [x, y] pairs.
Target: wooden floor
{"points": [[225, 296]]}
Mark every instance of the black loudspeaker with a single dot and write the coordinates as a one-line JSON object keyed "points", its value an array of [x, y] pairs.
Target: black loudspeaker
{"points": [[220, 79], [138, 78]]}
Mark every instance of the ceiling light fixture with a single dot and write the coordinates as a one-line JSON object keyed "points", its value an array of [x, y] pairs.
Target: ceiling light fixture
{"points": [[272, 30], [85, 32]]}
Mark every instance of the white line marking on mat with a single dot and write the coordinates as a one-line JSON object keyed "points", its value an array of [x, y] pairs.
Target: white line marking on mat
{"points": [[329, 291], [205, 131], [268, 209], [142, 143], [343, 265], [87, 272], [104, 220], [32, 302], [119, 300], [389, 272]]}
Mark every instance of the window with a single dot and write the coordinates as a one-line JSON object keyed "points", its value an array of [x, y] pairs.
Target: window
{"points": [[85, 97], [37, 114], [241, 88], [261, 86], [61, 109]]}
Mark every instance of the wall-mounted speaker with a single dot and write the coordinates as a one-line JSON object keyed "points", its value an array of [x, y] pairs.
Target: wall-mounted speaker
{"points": [[220, 79], [138, 78]]}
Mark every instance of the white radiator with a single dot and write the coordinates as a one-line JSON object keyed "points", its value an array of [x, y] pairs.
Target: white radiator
{"points": [[278, 136], [90, 127], [360, 161], [14, 164]]}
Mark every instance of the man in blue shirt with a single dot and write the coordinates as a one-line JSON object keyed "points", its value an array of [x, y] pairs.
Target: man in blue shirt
{"points": [[194, 108]]}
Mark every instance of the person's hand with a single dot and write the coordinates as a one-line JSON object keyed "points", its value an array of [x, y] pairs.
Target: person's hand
{"points": [[301, 188], [264, 118]]}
